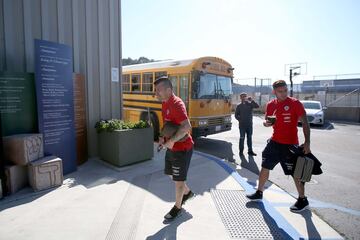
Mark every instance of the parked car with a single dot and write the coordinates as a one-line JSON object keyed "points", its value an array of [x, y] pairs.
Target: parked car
{"points": [[314, 112]]}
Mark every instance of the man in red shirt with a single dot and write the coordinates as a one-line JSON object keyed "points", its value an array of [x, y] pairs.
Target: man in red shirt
{"points": [[179, 146], [283, 114]]}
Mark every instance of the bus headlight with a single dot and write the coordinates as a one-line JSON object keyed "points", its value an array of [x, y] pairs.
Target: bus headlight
{"points": [[227, 119], [203, 122]]}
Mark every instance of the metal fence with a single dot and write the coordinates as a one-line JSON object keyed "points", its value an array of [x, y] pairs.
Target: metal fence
{"points": [[260, 89], [332, 98], [335, 92], [332, 91]]}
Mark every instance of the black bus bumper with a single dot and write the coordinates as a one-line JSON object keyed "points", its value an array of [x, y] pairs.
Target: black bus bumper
{"points": [[208, 130]]}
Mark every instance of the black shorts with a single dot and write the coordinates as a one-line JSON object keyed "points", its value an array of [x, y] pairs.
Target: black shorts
{"points": [[275, 153], [177, 164]]}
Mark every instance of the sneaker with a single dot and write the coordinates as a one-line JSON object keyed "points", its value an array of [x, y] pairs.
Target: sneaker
{"points": [[174, 212], [256, 197], [300, 205], [187, 197], [251, 153]]}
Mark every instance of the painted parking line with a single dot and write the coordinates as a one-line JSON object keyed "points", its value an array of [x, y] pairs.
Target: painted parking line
{"points": [[319, 204]]}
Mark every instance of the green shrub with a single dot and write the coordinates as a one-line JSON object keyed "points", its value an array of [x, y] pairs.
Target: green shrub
{"points": [[116, 124]]}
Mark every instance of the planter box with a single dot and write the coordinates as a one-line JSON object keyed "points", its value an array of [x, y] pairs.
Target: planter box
{"points": [[125, 147]]}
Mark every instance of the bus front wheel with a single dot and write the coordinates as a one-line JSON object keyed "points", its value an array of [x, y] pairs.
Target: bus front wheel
{"points": [[154, 122]]}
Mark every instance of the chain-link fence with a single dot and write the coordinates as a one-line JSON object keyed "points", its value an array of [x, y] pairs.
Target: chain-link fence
{"points": [[260, 89], [332, 91], [336, 92]]}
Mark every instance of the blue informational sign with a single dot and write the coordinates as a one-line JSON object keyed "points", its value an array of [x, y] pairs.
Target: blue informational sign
{"points": [[55, 100]]}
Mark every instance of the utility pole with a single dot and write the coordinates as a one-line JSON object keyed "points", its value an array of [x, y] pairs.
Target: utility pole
{"points": [[291, 76], [326, 93], [254, 92], [291, 83], [261, 86]]}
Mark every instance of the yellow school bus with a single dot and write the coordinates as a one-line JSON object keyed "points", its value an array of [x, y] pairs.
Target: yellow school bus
{"points": [[204, 84]]}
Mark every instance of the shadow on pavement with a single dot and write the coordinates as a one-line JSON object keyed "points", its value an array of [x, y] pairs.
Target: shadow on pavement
{"points": [[90, 174], [327, 126], [249, 164], [95, 173], [310, 226], [275, 231], [25, 196], [170, 230], [218, 148], [224, 150]]}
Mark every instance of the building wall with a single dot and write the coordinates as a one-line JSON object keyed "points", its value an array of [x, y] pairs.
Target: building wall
{"points": [[347, 114], [91, 27]]}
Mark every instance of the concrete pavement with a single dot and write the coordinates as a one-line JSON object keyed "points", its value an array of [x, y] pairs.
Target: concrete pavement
{"points": [[100, 201], [332, 193]]}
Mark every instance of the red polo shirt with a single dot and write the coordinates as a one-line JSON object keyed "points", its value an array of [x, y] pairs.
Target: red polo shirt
{"points": [[287, 114], [174, 110]]}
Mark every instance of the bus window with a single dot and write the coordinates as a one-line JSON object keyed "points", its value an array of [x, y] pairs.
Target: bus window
{"points": [[147, 84], [126, 83], [174, 82], [210, 86], [207, 88], [160, 74], [135, 82], [184, 88], [224, 86]]}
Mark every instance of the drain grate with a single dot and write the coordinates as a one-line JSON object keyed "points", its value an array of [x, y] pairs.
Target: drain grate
{"points": [[244, 219]]}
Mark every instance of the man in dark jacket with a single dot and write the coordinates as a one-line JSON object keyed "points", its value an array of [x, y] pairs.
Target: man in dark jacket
{"points": [[244, 114]]}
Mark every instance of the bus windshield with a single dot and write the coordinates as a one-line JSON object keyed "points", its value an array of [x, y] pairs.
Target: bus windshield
{"points": [[210, 86]]}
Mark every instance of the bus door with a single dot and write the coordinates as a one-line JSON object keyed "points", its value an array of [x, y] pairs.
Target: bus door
{"points": [[184, 89], [174, 82]]}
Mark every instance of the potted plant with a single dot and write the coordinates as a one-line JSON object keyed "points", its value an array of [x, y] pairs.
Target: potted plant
{"points": [[124, 143]]}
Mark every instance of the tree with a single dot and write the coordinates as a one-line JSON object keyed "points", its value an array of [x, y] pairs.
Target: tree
{"points": [[130, 61]]}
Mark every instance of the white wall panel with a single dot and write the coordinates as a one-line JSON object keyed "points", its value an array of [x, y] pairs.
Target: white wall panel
{"points": [[92, 76], [115, 55], [2, 38], [91, 27], [65, 30], [32, 30], [49, 14], [14, 35], [104, 55]]}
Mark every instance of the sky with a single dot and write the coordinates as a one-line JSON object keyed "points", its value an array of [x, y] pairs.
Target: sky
{"points": [[257, 37]]}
